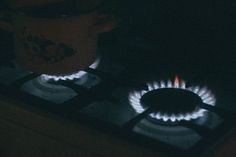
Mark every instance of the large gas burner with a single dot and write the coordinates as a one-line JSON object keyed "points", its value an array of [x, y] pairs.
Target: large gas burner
{"points": [[172, 100]]}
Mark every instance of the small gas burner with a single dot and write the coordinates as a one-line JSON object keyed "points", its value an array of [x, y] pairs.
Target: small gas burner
{"points": [[54, 93], [172, 101], [51, 88], [72, 76]]}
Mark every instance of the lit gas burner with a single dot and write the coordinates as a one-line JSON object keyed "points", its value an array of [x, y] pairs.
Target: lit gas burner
{"points": [[72, 76], [172, 100], [43, 86], [53, 93]]}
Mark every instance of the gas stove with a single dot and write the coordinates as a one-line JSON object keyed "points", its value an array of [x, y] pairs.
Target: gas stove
{"points": [[168, 113]]}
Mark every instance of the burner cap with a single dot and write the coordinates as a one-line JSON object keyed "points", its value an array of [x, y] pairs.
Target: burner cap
{"points": [[171, 100]]}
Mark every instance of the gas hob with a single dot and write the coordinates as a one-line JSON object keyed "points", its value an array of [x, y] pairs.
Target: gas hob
{"points": [[166, 113]]}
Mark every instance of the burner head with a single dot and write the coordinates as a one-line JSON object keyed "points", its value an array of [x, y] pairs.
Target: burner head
{"points": [[171, 101]]}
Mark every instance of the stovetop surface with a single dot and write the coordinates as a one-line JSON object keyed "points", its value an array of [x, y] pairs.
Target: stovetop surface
{"points": [[100, 99], [165, 39]]}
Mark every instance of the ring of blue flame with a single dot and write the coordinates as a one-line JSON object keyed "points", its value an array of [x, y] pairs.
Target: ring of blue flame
{"points": [[72, 76], [206, 96]]}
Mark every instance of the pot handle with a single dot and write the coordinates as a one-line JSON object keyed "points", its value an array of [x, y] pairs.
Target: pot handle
{"points": [[105, 23]]}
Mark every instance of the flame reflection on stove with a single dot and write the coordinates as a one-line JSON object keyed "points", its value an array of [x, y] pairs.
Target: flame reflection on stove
{"points": [[72, 76], [205, 95]]}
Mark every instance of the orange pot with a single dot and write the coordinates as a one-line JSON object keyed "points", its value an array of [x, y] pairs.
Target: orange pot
{"points": [[58, 45]]}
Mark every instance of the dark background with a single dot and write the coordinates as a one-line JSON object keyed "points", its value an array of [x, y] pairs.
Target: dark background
{"points": [[165, 36], [175, 35]]}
